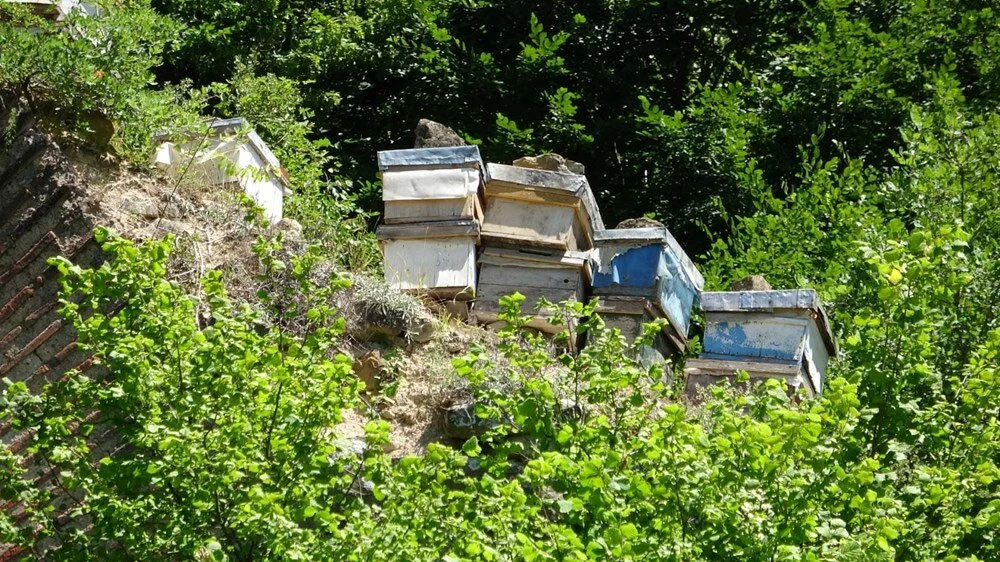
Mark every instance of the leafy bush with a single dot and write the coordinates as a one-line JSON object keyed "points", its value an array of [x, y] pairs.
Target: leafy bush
{"points": [[226, 445]]}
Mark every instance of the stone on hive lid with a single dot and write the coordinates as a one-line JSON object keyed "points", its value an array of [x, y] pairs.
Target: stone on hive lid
{"points": [[431, 134], [640, 222], [541, 208], [552, 162], [751, 283]]}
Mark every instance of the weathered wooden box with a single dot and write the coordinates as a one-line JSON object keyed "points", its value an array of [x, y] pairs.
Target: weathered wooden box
{"points": [[558, 276], [649, 263], [233, 154], [537, 208], [436, 258], [629, 314], [702, 373], [782, 333], [431, 184]]}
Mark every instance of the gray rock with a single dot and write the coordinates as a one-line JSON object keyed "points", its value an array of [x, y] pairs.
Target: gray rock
{"points": [[550, 161], [420, 330], [431, 134], [175, 207], [291, 229], [141, 207], [752, 283], [461, 422], [174, 227], [641, 222]]}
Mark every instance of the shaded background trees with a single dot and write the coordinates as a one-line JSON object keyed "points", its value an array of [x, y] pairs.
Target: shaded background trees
{"points": [[671, 105]]}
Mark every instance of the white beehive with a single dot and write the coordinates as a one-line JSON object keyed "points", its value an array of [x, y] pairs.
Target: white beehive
{"points": [[776, 334], [526, 207], [231, 154], [431, 184], [433, 258]]}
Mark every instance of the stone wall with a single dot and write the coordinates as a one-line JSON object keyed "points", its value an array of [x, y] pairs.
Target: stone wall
{"points": [[43, 213]]}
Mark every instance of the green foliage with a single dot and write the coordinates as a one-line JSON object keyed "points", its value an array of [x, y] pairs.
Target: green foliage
{"points": [[89, 74], [225, 426], [851, 146], [225, 447]]}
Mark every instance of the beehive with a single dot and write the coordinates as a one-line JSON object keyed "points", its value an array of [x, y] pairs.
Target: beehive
{"points": [[537, 208], [433, 258], [782, 334], [232, 154], [431, 184], [628, 315], [649, 264], [555, 275]]}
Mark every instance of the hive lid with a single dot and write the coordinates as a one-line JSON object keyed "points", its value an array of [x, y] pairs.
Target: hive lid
{"points": [[651, 235], [754, 301], [441, 156], [560, 182]]}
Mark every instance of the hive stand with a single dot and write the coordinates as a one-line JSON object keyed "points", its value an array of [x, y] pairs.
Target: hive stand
{"points": [[769, 334]]}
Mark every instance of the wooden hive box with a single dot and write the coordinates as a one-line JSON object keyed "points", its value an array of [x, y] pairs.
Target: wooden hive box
{"points": [[233, 154], [537, 208], [629, 314], [557, 276], [648, 263], [437, 258], [779, 333], [431, 184]]}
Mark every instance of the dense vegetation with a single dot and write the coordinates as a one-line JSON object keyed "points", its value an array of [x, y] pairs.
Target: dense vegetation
{"points": [[853, 147]]}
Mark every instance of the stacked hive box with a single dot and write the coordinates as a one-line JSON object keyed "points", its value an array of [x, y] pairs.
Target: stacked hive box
{"points": [[433, 214], [768, 334], [643, 274], [537, 235]]}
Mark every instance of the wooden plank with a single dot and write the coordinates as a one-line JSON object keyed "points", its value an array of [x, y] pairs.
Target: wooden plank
{"points": [[540, 277], [731, 367], [505, 256], [530, 194], [428, 230]]}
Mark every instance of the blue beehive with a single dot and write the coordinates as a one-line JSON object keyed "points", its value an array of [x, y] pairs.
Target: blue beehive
{"points": [[648, 264], [769, 334]]}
